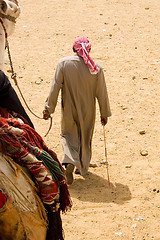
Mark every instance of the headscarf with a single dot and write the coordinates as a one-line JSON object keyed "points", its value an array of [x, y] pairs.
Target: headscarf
{"points": [[83, 46]]}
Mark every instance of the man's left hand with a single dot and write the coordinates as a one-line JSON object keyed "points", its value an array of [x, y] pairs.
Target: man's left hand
{"points": [[104, 120]]}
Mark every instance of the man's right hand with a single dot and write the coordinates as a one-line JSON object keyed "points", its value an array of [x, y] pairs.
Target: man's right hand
{"points": [[46, 114]]}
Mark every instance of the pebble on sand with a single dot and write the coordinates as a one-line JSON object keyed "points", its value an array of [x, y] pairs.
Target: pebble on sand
{"points": [[142, 131], [144, 152], [123, 107], [128, 166], [93, 165]]}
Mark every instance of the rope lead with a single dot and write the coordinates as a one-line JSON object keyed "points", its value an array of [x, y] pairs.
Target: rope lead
{"points": [[14, 75]]}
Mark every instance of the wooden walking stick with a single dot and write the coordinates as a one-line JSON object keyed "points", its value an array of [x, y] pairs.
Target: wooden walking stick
{"points": [[105, 145]]}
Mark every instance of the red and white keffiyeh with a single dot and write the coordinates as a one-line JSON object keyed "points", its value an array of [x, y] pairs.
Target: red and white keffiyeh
{"points": [[83, 46]]}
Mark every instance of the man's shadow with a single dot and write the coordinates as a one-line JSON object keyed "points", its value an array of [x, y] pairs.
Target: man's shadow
{"points": [[94, 188]]}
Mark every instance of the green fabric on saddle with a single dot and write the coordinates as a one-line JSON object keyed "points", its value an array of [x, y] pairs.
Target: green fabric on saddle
{"points": [[49, 163]]}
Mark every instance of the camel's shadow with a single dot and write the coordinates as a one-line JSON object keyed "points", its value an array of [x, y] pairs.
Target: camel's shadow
{"points": [[94, 188]]}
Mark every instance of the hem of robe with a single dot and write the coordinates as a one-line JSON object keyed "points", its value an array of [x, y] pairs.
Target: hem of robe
{"points": [[77, 164]]}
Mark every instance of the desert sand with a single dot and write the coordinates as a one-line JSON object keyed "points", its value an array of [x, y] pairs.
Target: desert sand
{"points": [[125, 37]]}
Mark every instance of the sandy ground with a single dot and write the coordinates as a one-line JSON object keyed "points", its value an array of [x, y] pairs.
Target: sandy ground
{"points": [[125, 37]]}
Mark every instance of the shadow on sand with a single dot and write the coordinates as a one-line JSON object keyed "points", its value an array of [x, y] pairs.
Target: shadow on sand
{"points": [[94, 188]]}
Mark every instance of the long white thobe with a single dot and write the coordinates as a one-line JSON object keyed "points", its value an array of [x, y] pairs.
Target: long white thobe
{"points": [[80, 89]]}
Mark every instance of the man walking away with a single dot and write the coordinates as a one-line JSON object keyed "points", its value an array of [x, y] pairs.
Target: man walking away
{"points": [[81, 81]]}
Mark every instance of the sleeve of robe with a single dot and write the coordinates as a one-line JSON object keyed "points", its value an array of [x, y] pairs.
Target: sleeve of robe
{"points": [[102, 95], [57, 83]]}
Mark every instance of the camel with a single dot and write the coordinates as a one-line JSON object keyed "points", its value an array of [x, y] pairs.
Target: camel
{"points": [[22, 216], [22, 213], [9, 12]]}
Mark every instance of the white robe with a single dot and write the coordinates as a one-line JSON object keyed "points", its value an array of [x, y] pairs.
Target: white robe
{"points": [[80, 89]]}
